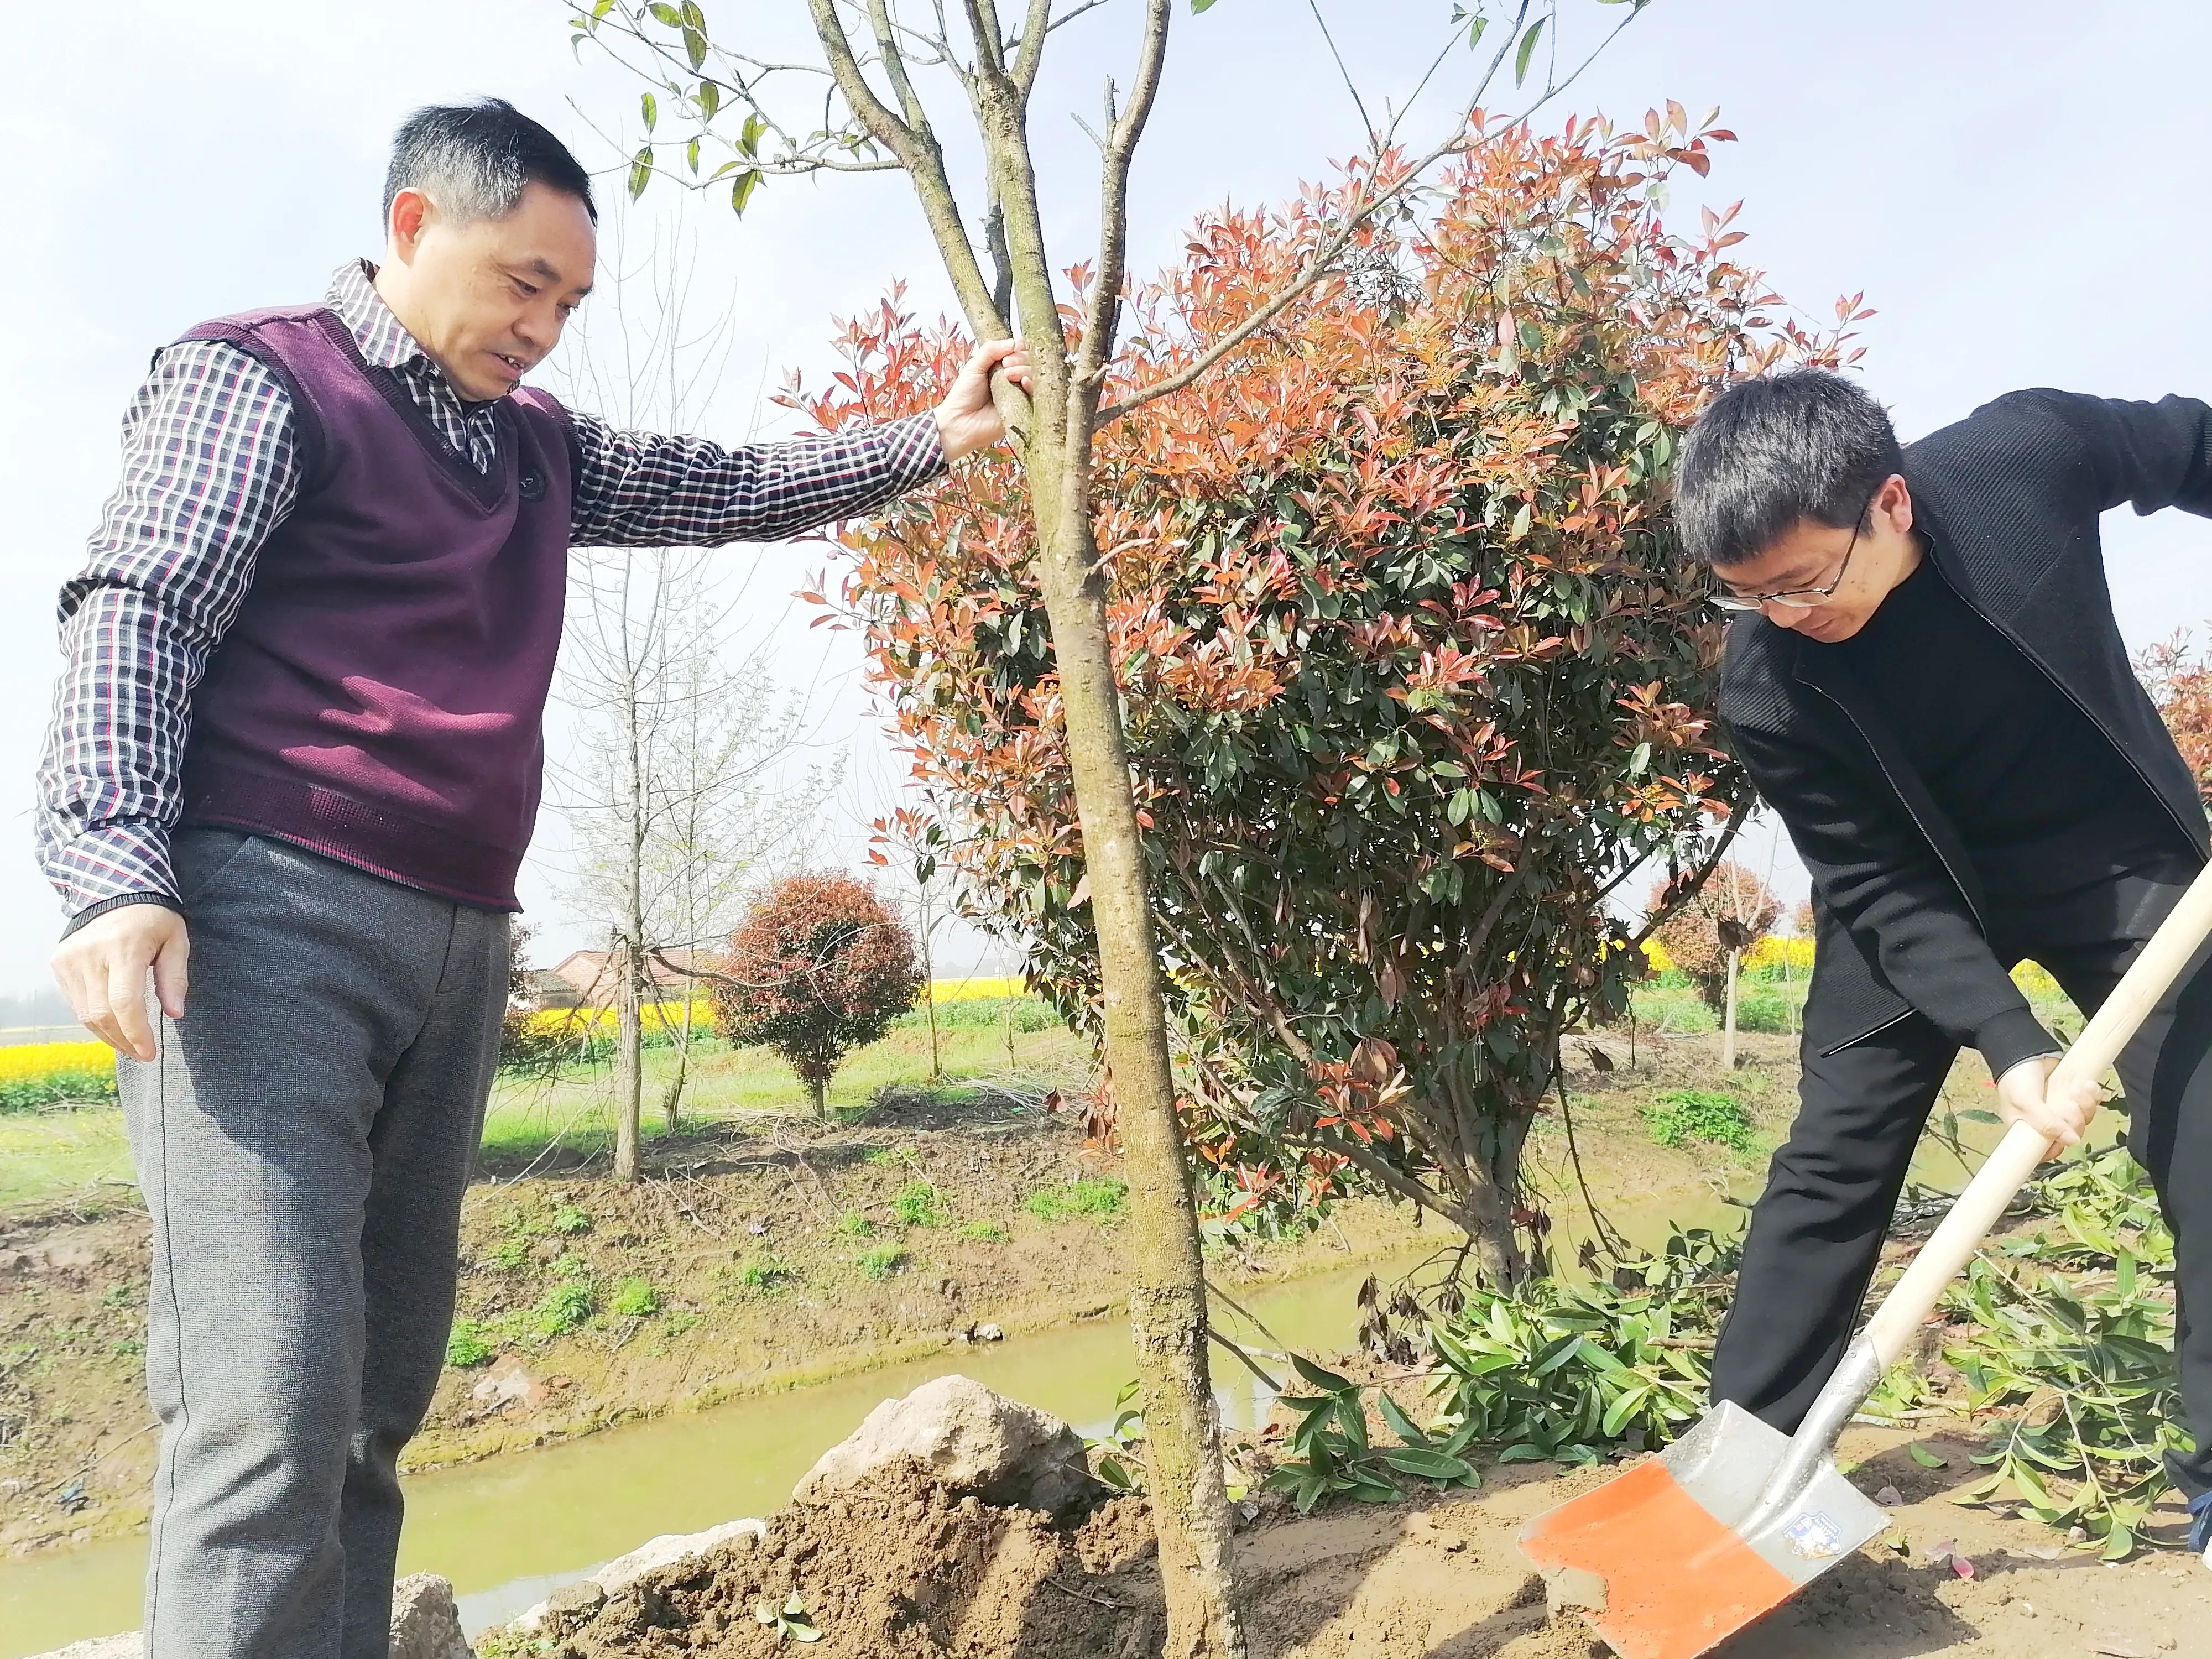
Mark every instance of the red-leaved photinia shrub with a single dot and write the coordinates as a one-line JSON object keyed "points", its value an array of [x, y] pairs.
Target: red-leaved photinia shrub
{"points": [[1415, 677], [819, 967]]}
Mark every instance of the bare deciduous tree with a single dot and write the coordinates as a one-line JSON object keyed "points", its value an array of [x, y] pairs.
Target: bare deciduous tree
{"points": [[685, 778]]}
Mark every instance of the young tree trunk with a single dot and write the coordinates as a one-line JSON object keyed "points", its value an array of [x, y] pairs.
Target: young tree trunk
{"points": [[629, 1057], [1727, 1017], [1167, 1297], [671, 1102], [929, 987], [817, 1095]]}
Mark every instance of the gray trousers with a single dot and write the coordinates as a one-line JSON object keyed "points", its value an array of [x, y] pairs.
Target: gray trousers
{"points": [[303, 1139]]}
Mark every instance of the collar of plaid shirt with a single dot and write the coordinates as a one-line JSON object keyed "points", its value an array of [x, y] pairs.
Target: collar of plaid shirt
{"points": [[385, 343]]}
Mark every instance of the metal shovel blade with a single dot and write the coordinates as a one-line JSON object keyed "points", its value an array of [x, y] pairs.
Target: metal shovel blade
{"points": [[1659, 1559]]}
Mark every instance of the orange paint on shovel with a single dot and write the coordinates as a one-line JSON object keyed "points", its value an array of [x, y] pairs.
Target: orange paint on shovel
{"points": [[1677, 1582]]}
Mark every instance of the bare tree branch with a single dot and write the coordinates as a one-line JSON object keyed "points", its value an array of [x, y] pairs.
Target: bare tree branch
{"points": [[1374, 137], [925, 160], [1030, 48], [1096, 348]]}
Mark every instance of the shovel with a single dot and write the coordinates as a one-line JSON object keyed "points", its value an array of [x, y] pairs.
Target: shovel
{"points": [[1686, 1549]]}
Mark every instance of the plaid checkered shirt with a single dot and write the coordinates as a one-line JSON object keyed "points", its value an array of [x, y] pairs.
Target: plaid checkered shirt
{"points": [[209, 472]]}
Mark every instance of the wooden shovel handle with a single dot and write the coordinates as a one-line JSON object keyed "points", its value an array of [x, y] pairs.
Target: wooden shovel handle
{"points": [[1977, 1210]]}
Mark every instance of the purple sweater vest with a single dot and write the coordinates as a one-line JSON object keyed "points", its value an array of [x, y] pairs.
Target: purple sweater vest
{"points": [[379, 697]]}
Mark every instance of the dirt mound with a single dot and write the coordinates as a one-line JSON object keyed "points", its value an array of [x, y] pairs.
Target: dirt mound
{"points": [[904, 1571], [918, 1574]]}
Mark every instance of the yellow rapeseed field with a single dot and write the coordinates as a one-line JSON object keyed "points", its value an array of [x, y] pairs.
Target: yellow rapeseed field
{"points": [[34, 1074]]}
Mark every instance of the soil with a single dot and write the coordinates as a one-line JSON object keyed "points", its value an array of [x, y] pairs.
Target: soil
{"points": [[913, 1572]]}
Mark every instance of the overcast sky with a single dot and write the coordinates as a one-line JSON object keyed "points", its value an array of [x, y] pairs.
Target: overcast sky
{"points": [[2017, 188]]}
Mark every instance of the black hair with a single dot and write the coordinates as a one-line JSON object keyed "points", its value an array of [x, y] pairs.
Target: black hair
{"points": [[475, 159], [1772, 452]]}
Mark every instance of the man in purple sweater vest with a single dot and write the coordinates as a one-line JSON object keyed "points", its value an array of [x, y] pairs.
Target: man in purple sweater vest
{"points": [[297, 733]]}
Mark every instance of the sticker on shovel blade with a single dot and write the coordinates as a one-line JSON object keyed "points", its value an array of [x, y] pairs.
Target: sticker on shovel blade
{"points": [[1815, 1537]]}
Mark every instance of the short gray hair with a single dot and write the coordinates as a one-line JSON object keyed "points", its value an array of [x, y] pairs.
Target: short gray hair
{"points": [[475, 159]]}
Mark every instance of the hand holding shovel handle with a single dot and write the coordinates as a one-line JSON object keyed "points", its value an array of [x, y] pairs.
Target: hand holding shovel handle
{"points": [[1890, 1332]]}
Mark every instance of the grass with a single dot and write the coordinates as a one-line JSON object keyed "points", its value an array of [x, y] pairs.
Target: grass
{"points": [[527, 1113], [636, 1299], [985, 1232], [763, 1275], [1092, 1197]]}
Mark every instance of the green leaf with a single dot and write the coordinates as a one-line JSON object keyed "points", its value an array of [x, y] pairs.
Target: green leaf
{"points": [[666, 14], [1474, 31], [695, 47], [1427, 1464], [691, 154], [649, 106], [1197, 6], [1527, 50], [742, 188], [1927, 1460], [1394, 1416], [640, 171], [710, 99], [1617, 1415], [1318, 1376]]}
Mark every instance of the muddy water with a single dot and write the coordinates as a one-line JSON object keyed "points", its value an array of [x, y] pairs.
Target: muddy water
{"points": [[509, 1531]]}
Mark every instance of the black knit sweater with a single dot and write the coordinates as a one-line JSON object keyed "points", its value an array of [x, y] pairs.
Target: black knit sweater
{"points": [[2008, 500]]}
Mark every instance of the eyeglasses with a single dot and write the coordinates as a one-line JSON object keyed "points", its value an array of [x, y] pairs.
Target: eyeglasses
{"points": [[1797, 598]]}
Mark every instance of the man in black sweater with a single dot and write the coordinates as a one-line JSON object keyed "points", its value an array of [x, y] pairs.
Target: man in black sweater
{"points": [[1926, 681]]}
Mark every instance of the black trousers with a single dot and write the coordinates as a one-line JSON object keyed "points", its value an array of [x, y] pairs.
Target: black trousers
{"points": [[1816, 1234]]}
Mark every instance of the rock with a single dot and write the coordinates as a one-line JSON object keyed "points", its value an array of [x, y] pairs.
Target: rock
{"points": [[971, 1439], [619, 1574], [588, 1595], [989, 1333], [508, 1385], [425, 1623]]}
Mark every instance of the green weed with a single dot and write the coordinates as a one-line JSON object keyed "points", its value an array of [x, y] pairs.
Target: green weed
{"points": [[468, 1345], [919, 1204], [636, 1299], [568, 1221], [985, 1232], [1681, 1116], [563, 1308], [882, 1262], [509, 1255], [853, 1224]]}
